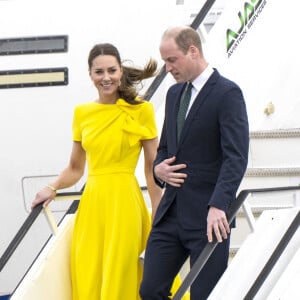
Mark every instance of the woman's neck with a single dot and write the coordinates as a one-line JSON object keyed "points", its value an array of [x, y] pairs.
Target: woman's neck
{"points": [[108, 100]]}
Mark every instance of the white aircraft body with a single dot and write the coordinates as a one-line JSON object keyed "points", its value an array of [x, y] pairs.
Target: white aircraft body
{"points": [[44, 73]]}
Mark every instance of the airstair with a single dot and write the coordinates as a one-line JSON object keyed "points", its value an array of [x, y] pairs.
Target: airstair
{"points": [[274, 239]]}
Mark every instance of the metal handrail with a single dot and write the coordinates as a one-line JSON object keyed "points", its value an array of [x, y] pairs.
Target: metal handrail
{"points": [[20, 235], [209, 248], [273, 258], [25, 228]]}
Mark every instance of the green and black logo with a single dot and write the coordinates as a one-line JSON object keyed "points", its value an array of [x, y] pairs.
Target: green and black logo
{"points": [[247, 17]]}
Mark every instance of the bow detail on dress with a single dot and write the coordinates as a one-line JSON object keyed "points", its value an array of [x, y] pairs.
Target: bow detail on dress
{"points": [[132, 126]]}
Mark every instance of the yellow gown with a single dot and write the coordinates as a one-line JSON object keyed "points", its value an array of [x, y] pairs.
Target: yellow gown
{"points": [[112, 222]]}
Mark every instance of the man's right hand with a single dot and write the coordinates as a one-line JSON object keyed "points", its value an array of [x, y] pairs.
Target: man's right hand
{"points": [[168, 172]]}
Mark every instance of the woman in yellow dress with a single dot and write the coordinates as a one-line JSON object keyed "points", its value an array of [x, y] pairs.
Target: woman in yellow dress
{"points": [[112, 222]]}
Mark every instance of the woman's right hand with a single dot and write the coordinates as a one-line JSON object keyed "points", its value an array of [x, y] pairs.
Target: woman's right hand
{"points": [[45, 196]]}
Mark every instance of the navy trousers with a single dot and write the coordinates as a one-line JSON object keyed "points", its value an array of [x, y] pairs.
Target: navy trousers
{"points": [[168, 247]]}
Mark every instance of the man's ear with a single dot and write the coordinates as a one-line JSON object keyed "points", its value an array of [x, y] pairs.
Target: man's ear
{"points": [[194, 51]]}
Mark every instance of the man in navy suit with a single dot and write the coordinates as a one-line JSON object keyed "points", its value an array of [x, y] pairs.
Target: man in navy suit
{"points": [[201, 169]]}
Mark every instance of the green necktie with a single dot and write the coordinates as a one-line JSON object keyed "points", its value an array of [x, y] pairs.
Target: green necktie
{"points": [[184, 104]]}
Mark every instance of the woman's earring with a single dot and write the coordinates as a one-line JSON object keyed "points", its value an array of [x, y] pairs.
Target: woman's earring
{"points": [[120, 82]]}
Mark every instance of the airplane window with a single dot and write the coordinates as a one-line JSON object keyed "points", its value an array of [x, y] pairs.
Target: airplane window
{"points": [[33, 78], [34, 45]]}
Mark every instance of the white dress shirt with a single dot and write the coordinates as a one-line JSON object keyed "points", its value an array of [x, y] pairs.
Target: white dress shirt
{"points": [[198, 84]]}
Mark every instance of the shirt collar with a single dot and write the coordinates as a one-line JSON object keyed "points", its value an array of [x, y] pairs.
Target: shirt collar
{"points": [[199, 82]]}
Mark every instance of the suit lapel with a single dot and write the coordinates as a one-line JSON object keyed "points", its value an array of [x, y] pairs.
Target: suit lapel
{"points": [[200, 99]]}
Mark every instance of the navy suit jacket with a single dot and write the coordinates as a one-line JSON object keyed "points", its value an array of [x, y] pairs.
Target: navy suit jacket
{"points": [[214, 144]]}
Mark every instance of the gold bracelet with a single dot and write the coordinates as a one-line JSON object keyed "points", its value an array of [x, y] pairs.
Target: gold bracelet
{"points": [[52, 188]]}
